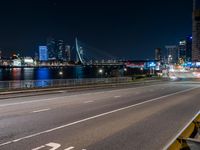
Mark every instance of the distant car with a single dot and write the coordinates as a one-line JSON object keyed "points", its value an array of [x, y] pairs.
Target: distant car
{"points": [[196, 74], [173, 77]]}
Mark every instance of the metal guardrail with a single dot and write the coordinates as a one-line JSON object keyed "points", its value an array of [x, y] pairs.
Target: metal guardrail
{"points": [[189, 138], [21, 84]]}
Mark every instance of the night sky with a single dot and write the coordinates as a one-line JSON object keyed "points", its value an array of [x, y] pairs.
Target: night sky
{"points": [[127, 29]]}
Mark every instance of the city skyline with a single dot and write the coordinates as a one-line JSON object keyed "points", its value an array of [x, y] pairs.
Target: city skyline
{"points": [[142, 26], [99, 74]]}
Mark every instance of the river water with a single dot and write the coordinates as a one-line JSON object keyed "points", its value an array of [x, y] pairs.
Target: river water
{"points": [[9, 74]]}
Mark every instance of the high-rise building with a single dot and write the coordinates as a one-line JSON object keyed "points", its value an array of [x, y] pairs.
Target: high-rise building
{"points": [[56, 49], [189, 48], [51, 46], [36, 56], [43, 53], [158, 54], [196, 31], [60, 48], [182, 50], [185, 49], [67, 53], [172, 54]]}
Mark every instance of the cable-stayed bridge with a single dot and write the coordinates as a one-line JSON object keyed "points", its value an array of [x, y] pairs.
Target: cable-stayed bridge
{"points": [[88, 55]]}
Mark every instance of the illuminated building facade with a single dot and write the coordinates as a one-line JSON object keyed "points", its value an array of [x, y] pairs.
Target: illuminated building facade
{"points": [[158, 54], [43, 53], [172, 54], [196, 31]]}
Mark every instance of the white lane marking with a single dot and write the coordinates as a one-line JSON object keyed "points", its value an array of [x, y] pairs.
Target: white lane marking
{"points": [[37, 148], [117, 96], [97, 116], [49, 99], [86, 102], [53, 145], [6, 143], [69, 148], [181, 131], [41, 110]]}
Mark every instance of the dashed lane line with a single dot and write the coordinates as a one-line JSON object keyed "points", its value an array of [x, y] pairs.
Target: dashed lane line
{"points": [[96, 116], [41, 110]]}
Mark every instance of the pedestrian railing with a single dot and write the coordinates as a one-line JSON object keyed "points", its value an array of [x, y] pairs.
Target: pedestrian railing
{"points": [[20, 84]]}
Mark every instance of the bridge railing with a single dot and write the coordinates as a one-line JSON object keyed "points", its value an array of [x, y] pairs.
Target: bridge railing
{"points": [[24, 84]]}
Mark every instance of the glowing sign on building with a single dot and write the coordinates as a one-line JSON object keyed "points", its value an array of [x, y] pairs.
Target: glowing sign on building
{"points": [[43, 53], [135, 64], [197, 64]]}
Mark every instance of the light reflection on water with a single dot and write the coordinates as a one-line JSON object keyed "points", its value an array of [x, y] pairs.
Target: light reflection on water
{"points": [[16, 73], [78, 72], [43, 73], [28, 73], [47, 73]]}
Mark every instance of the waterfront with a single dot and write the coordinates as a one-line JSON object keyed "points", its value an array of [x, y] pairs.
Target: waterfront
{"points": [[45, 73]]}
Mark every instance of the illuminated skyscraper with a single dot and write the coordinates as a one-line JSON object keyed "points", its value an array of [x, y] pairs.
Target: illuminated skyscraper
{"points": [[158, 54], [182, 47], [196, 31], [51, 46], [172, 54], [60, 48], [43, 53], [67, 53], [56, 49], [185, 49], [189, 48]]}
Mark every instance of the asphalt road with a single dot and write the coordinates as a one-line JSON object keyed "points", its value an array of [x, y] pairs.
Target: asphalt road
{"points": [[132, 118]]}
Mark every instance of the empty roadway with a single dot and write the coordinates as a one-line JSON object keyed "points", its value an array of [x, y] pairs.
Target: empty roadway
{"points": [[129, 118]]}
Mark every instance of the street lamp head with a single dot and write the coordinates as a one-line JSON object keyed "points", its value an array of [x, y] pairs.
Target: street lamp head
{"points": [[125, 69], [60, 73], [100, 71]]}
